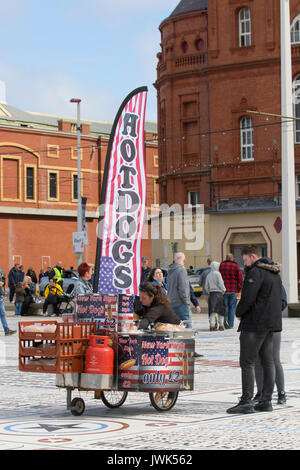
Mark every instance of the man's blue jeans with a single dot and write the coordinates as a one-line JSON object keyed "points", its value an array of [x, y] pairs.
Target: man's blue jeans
{"points": [[230, 302], [183, 311], [3, 316]]}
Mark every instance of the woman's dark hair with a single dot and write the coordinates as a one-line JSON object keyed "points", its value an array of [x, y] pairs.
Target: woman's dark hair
{"points": [[150, 278], [83, 268], [155, 292]]}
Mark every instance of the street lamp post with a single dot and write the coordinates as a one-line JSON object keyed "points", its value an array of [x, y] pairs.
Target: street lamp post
{"points": [[289, 246], [79, 204]]}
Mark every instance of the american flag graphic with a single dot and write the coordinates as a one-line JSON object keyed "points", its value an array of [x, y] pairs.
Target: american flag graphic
{"points": [[125, 312], [136, 180], [153, 363]]}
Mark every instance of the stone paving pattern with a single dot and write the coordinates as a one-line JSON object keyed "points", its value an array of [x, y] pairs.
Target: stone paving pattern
{"points": [[33, 412]]}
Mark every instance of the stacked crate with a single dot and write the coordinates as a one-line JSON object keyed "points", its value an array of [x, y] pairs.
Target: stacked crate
{"points": [[60, 350]]}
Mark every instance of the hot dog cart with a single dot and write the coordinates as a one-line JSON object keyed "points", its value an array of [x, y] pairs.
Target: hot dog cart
{"points": [[99, 350]]}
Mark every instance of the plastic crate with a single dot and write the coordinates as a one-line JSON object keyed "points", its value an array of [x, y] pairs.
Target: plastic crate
{"points": [[58, 365], [46, 348], [39, 335], [76, 330], [31, 347], [60, 351]]}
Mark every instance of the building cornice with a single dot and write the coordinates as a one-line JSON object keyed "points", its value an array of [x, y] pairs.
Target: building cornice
{"points": [[32, 211]]}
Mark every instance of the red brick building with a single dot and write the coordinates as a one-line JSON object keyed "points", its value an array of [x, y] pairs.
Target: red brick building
{"points": [[38, 186], [220, 60]]}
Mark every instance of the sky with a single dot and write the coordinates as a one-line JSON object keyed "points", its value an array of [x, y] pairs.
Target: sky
{"points": [[95, 50]]}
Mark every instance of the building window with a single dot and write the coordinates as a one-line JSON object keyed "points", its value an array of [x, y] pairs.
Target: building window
{"points": [[296, 101], [199, 44], [244, 27], [184, 47], [30, 183], [247, 144], [194, 198], [75, 188], [295, 30], [297, 186], [53, 185]]}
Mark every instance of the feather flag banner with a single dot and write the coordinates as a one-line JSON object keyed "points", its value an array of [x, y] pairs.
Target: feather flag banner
{"points": [[123, 201]]}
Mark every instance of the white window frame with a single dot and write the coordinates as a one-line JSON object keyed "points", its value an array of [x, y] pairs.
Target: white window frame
{"points": [[295, 30], [197, 193], [247, 139], [245, 27]]}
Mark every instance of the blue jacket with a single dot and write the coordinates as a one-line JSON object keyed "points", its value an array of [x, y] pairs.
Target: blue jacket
{"points": [[163, 286]]}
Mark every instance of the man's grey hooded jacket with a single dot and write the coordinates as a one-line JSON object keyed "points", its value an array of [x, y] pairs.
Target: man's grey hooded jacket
{"points": [[178, 285]]}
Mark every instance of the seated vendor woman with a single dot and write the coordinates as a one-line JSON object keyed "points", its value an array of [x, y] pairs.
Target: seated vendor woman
{"points": [[155, 306]]}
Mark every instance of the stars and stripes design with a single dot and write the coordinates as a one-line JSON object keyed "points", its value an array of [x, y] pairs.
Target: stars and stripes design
{"points": [[106, 276], [158, 363], [125, 312]]}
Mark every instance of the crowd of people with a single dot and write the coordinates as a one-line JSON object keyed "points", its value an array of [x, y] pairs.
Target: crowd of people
{"points": [[259, 310], [22, 290]]}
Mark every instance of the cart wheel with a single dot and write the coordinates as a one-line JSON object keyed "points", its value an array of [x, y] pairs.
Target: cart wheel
{"points": [[77, 406], [161, 400], [113, 398]]}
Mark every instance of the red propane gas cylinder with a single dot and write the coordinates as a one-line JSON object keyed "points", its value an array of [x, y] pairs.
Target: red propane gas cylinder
{"points": [[99, 357]]}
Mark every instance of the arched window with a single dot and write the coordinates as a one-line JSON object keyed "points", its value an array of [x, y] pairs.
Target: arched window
{"points": [[244, 27], [246, 136], [184, 47], [296, 101], [295, 30]]}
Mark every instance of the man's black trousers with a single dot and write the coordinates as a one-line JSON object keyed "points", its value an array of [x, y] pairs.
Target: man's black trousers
{"points": [[252, 344]]}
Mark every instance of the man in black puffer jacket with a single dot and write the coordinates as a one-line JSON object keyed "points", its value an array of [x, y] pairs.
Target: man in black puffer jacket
{"points": [[259, 311]]}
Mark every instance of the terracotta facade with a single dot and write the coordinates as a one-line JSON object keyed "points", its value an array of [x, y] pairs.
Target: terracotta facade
{"points": [[219, 65], [206, 84]]}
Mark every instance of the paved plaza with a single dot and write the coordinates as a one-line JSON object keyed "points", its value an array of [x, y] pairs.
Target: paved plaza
{"points": [[33, 412]]}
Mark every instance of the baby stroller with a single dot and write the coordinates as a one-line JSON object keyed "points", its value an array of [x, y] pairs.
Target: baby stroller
{"points": [[65, 303]]}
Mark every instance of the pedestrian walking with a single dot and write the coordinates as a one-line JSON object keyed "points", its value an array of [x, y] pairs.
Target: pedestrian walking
{"points": [[279, 374], [21, 274], [145, 271], [179, 289], [41, 275], [215, 287], [7, 330], [20, 297], [202, 279], [83, 286], [13, 279], [2, 277], [31, 273], [156, 277], [52, 293], [195, 302], [233, 280], [57, 273], [259, 311]]}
